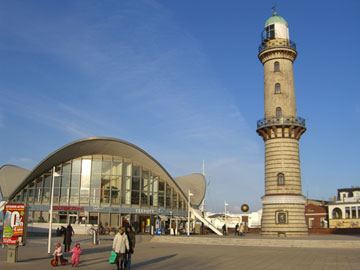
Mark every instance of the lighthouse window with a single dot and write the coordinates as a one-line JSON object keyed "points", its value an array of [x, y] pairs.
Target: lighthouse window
{"points": [[278, 112], [276, 66], [277, 88], [281, 179], [270, 31]]}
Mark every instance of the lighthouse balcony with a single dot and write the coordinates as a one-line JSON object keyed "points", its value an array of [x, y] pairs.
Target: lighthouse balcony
{"points": [[281, 121], [277, 43]]}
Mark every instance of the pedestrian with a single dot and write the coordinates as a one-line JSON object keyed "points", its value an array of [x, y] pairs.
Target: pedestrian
{"points": [[237, 229], [224, 229], [120, 246], [69, 232], [131, 238], [241, 229], [76, 251], [58, 255]]}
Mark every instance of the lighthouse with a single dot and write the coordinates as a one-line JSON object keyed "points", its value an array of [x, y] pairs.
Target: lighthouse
{"points": [[281, 130]]}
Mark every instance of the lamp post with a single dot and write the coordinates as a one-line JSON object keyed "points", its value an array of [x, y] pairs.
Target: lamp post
{"points": [[225, 204], [51, 207], [188, 224]]}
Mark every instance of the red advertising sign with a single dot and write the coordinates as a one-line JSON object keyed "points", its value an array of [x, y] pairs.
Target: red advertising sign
{"points": [[14, 224], [68, 208]]}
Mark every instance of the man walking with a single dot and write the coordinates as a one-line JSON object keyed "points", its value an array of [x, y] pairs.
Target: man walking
{"points": [[131, 238], [120, 246]]}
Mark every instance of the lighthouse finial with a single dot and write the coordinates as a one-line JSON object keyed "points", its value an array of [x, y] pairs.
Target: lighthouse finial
{"points": [[274, 9]]}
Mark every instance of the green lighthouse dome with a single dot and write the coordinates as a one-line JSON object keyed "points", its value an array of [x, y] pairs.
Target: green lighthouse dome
{"points": [[275, 19]]}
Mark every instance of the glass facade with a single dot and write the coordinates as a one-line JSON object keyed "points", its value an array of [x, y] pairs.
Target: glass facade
{"points": [[102, 180]]}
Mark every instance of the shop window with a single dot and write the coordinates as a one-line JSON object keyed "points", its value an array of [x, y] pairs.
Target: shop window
{"points": [[65, 182], [161, 194], [63, 217], [281, 179], [277, 88], [311, 221], [175, 200], [38, 191], [57, 181], [154, 188], [117, 168], [353, 212], [106, 166], [126, 191], [47, 189], [115, 189], [347, 212], [168, 196], [93, 218], [95, 181], [135, 188], [337, 213], [85, 181], [276, 66], [105, 189], [278, 112], [145, 188], [24, 196], [31, 193]]}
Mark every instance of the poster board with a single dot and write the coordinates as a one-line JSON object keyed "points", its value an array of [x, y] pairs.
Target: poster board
{"points": [[15, 224]]}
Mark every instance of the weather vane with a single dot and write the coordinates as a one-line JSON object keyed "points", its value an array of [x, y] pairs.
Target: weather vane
{"points": [[274, 9]]}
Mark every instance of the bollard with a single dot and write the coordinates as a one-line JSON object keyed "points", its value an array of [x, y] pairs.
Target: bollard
{"points": [[95, 238], [12, 255]]}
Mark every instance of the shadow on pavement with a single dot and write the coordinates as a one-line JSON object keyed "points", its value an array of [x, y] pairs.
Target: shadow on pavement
{"points": [[156, 260], [68, 255]]}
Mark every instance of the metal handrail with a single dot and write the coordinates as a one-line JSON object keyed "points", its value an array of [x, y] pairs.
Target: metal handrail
{"points": [[289, 44], [297, 121]]}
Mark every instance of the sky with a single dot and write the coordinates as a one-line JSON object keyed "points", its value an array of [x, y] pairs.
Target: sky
{"points": [[181, 80]]}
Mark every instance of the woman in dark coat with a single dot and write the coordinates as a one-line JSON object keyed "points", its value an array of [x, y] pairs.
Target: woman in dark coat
{"points": [[67, 237]]}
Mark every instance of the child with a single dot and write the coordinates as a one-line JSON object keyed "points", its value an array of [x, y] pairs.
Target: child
{"points": [[76, 254], [58, 255]]}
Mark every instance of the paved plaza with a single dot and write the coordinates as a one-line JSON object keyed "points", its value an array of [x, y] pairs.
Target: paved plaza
{"points": [[201, 253]]}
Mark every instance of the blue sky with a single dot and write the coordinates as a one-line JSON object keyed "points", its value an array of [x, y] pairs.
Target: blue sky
{"points": [[181, 80]]}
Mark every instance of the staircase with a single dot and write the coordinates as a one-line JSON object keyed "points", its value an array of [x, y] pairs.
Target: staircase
{"points": [[198, 215]]}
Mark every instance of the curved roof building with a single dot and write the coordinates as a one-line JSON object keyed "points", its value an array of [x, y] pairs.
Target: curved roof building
{"points": [[10, 177], [102, 179]]}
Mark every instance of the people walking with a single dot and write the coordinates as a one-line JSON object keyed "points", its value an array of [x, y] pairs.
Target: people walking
{"points": [[224, 229], [131, 238], [241, 229], [120, 246], [237, 229], [69, 232], [76, 251]]}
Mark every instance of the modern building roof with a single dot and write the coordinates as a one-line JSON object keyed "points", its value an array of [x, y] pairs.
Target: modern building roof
{"points": [[275, 19], [11, 177], [196, 184], [116, 147]]}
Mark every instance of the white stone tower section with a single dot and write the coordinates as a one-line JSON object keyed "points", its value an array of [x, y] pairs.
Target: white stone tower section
{"points": [[281, 129]]}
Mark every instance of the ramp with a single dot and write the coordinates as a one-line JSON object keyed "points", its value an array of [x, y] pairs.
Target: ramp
{"points": [[199, 216]]}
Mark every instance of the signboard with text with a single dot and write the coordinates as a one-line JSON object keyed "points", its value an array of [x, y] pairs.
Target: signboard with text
{"points": [[14, 224]]}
